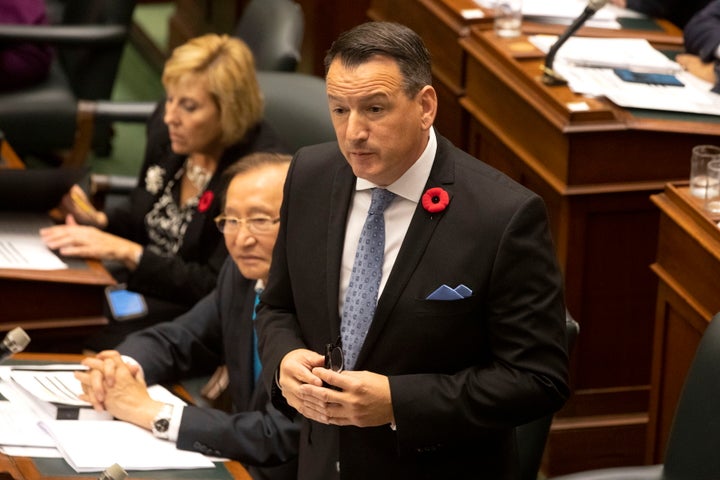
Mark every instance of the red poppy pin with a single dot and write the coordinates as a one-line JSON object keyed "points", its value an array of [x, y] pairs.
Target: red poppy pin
{"points": [[205, 201], [435, 200]]}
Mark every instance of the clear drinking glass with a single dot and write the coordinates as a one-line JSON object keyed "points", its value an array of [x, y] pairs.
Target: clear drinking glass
{"points": [[700, 182], [712, 195], [508, 18]]}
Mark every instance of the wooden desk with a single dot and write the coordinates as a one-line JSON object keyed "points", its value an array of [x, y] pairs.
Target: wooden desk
{"points": [[688, 275], [596, 170], [442, 23], [51, 304], [54, 304], [26, 468]]}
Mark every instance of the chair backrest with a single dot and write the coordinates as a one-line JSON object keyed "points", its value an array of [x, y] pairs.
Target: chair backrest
{"points": [[273, 29], [296, 107], [91, 69], [692, 449], [531, 437]]}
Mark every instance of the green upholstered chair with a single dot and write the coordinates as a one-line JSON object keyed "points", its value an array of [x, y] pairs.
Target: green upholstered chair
{"points": [[273, 29], [89, 37], [531, 437], [692, 449]]}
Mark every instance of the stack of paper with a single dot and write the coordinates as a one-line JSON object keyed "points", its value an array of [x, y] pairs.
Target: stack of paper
{"points": [[91, 446], [57, 393], [632, 53], [87, 445], [587, 64]]}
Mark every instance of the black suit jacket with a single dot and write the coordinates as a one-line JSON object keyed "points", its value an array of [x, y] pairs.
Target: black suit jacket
{"points": [[462, 373], [218, 330], [677, 11]]}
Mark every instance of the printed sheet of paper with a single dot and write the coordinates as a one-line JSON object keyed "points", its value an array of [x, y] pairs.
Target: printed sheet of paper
{"points": [[21, 246]]}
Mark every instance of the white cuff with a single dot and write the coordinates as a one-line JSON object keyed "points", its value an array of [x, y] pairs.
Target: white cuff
{"points": [[175, 419]]}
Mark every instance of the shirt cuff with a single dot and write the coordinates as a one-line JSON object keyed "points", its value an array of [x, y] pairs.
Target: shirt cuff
{"points": [[175, 420]]}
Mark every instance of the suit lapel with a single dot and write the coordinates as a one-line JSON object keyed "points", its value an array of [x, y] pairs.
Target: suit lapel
{"points": [[419, 233], [342, 189]]}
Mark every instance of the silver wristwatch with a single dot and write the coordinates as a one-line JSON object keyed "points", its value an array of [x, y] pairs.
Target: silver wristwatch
{"points": [[161, 422]]}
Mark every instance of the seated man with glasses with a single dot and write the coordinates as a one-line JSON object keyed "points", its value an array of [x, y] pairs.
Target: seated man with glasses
{"points": [[218, 331]]}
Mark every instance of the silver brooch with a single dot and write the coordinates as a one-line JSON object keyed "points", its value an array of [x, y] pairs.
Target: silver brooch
{"points": [[154, 179]]}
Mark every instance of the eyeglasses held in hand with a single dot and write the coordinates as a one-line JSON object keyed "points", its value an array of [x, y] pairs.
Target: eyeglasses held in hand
{"points": [[255, 225], [334, 359]]}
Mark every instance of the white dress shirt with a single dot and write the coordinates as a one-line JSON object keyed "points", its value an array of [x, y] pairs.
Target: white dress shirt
{"points": [[409, 189]]}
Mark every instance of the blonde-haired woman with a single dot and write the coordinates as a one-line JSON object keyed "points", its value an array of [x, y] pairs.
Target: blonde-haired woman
{"points": [[163, 236]]}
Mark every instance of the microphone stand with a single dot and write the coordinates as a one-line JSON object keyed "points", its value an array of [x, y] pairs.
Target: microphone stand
{"points": [[550, 76]]}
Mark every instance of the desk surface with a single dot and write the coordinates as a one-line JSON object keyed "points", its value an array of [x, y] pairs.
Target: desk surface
{"points": [[44, 302], [25, 468]]}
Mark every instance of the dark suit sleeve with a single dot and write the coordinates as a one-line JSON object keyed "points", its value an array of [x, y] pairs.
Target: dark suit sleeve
{"points": [[524, 374], [278, 324], [702, 32], [176, 279], [184, 347], [191, 345], [260, 437]]}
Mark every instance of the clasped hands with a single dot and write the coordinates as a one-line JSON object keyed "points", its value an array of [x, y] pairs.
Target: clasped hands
{"points": [[111, 384], [363, 398]]}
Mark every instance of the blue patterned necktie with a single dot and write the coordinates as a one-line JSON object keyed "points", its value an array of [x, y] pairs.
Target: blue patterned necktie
{"points": [[257, 366], [362, 292]]}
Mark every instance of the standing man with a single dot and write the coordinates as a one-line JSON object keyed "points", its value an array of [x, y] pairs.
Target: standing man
{"points": [[217, 331], [447, 329]]}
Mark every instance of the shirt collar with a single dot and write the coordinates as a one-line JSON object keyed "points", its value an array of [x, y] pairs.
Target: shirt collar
{"points": [[411, 184], [259, 286]]}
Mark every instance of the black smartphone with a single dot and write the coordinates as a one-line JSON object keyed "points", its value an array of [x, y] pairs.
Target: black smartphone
{"points": [[648, 78], [124, 304]]}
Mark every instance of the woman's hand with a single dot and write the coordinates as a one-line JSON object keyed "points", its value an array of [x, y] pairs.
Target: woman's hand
{"points": [[77, 204], [74, 240]]}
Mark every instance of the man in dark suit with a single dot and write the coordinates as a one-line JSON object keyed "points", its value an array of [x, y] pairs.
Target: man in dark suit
{"points": [[217, 331], [467, 339], [702, 42], [677, 11]]}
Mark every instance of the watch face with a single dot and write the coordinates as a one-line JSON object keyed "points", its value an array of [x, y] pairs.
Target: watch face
{"points": [[162, 425]]}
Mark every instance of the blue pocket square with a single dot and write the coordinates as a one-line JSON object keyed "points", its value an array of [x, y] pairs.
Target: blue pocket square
{"points": [[444, 292]]}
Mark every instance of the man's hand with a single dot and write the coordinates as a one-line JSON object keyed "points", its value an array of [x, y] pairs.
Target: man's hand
{"points": [[363, 400], [694, 65], [101, 375], [295, 371], [122, 389]]}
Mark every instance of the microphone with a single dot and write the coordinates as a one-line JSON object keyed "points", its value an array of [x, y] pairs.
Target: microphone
{"points": [[15, 341], [550, 76], [113, 472]]}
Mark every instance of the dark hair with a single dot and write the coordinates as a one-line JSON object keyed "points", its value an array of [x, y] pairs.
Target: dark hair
{"points": [[251, 162], [398, 42]]}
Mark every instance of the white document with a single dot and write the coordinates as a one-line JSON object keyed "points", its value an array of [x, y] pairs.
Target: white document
{"points": [[562, 11], [21, 246], [569, 9], [55, 394], [35, 452], [18, 422], [694, 97], [631, 53], [92, 446]]}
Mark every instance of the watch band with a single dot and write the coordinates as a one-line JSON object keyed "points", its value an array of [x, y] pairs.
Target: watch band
{"points": [[161, 422]]}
